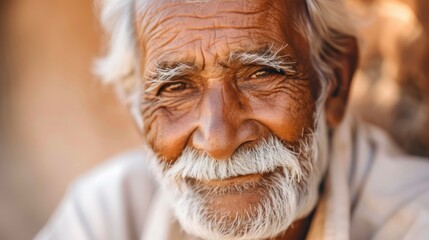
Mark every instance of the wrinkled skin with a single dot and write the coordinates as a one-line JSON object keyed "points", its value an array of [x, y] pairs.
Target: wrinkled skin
{"points": [[221, 105]]}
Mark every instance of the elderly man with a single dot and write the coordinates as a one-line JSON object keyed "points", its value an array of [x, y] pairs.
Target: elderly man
{"points": [[241, 104]]}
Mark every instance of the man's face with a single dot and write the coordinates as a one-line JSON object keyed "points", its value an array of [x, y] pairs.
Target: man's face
{"points": [[227, 81]]}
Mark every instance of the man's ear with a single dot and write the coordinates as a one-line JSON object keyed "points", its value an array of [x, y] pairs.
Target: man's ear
{"points": [[338, 92]]}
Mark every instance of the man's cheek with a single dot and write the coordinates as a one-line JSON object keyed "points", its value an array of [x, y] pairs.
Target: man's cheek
{"points": [[168, 135], [285, 115]]}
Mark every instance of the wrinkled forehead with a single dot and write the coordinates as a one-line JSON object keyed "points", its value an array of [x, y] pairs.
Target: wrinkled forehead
{"points": [[183, 28], [153, 10]]}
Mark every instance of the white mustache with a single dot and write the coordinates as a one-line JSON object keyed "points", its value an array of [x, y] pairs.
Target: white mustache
{"points": [[270, 154], [288, 194]]}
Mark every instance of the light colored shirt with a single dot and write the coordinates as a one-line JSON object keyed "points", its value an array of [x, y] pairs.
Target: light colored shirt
{"points": [[372, 191]]}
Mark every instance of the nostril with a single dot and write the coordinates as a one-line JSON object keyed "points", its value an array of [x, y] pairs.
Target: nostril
{"points": [[216, 147], [197, 140], [247, 145], [219, 156], [222, 138]]}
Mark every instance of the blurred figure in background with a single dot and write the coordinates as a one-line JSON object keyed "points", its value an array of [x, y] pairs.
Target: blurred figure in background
{"points": [[392, 84], [411, 115]]}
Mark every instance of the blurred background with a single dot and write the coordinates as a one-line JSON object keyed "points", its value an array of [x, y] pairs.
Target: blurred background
{"points": [[57, 121]]}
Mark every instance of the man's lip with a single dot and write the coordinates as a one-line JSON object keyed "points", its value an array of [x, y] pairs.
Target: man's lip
{"points": [[249, 178]]}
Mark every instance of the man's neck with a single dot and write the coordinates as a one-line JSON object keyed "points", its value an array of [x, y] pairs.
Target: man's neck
{"points": [[298, 229]]}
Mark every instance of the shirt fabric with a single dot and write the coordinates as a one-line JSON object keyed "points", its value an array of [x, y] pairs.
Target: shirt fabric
{"points": [[372, 191]]}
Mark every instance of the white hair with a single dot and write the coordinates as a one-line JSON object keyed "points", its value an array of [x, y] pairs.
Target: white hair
{"points": [[327, 24], [120, 64], [324, 26], [269, 58]]}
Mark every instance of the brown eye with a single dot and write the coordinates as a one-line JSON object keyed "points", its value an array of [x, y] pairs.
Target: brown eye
{"points": [[173, 87], [265, 72]]}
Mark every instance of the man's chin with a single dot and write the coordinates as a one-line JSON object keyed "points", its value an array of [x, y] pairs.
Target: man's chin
{"points": [[256, 206], [234, 197]]}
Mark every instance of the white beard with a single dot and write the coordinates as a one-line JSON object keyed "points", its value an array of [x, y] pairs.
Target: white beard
{"points": [[289, 193]]}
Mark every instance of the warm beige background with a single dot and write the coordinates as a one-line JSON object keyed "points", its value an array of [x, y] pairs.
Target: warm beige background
{"points": [[61, 122]]}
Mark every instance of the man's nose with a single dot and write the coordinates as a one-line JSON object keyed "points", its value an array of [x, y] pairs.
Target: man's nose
{"points": [[224, 125]]}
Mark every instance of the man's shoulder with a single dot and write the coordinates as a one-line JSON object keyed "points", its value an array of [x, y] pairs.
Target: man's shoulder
{"points": [[123, 181], [391, 197], [109, 202], [128, 166]]}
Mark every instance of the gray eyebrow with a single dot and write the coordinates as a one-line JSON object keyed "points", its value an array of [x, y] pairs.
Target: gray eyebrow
{"points": [[165, 72], [266, 57]]}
